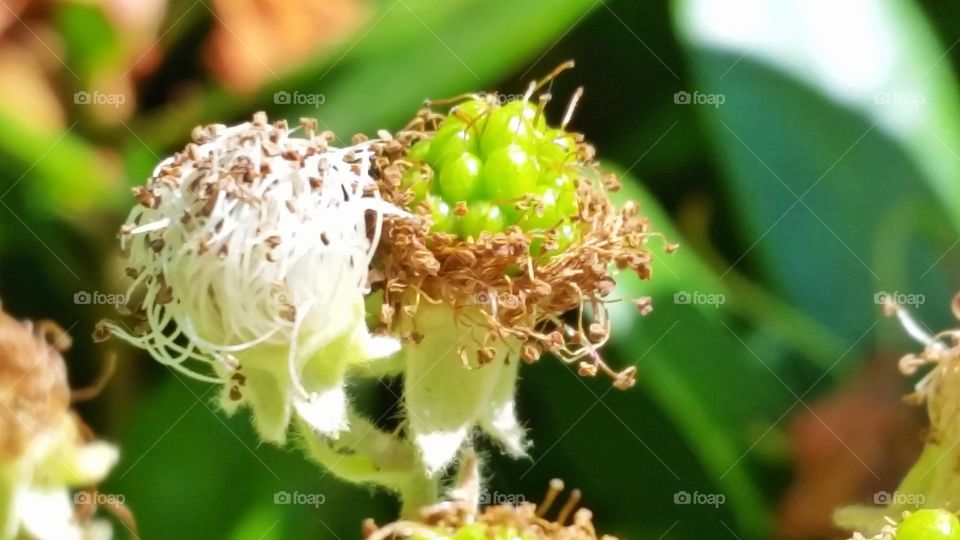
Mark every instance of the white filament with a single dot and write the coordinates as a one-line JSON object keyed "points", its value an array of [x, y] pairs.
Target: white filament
{"points": [[250, 263]]}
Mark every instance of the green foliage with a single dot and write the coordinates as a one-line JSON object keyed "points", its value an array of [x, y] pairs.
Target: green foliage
{"points": [[818, 197]]}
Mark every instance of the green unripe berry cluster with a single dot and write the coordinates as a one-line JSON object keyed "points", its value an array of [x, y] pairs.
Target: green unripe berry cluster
{"points": [[929, 525], [490, 157]]}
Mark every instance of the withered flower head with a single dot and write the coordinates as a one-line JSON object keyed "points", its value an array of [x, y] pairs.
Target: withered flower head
{"points": [[45, 449], [455, 520], [250, 250], [34, 394], [516, 231]]}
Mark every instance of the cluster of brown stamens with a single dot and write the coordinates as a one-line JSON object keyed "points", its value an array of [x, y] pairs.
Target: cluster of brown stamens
{"points": [[525, 520], [33, 381]]}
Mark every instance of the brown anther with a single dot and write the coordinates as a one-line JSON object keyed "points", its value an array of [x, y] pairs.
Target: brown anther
{"points": [[644, 305], [309, 125], [101, 333], [555, 341], [626, 379], [146, 197], [164, 295], [587, 369], [235, 394], [272, 241], [611, 182], [530, 353], [485, 355], [598, 331], [460, 209]]}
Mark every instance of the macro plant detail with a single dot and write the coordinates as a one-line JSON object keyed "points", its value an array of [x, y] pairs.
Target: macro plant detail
{"points": [[473, 297], [256, 251], [389, 270], [46, 451]]}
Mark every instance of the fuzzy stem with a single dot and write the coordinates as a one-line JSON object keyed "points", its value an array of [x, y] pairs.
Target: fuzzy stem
{"points": [[367, 455]]}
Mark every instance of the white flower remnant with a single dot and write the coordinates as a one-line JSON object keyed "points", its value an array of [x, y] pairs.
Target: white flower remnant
{"points": [[252, 249]]}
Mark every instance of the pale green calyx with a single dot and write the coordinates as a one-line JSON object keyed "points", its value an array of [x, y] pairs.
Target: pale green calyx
{"points": [[251, 248], [445, 399]]}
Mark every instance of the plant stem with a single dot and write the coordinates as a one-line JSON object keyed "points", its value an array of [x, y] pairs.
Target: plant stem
{"points": [[366, 454]]}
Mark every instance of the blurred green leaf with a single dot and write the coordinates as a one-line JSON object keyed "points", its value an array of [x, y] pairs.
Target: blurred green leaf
{"points": [[189, 472], [411, 50], [59, 173], [830, 124], [92, 43]]}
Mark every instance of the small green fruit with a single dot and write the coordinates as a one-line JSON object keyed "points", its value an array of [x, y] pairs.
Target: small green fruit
{"points": [[509, 173], [451, 140], [481, 216], [929, 525], [459, 177]]}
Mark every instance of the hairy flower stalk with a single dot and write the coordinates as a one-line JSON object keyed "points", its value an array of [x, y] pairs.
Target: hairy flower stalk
{"points": [[45, 450], [933, 481], [515, 231]]}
